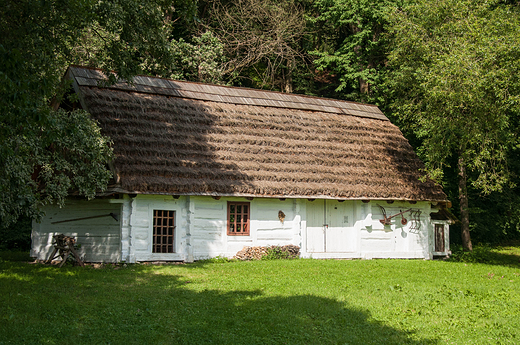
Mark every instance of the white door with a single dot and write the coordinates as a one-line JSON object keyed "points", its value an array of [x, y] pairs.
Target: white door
{"points": [[329, 227]]}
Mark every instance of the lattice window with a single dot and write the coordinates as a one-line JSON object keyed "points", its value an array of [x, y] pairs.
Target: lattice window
{"points": [[238, 218], [163, 231]]}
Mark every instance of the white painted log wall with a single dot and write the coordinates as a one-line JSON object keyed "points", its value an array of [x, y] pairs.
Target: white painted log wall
{"points": [[201, 228], [395, 240], [137, 238], [209, 234], [371, 239], [100, 238]]}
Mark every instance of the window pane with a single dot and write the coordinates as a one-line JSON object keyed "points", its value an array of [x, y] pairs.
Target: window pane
{"points": [[163, 231], [238, 218]]}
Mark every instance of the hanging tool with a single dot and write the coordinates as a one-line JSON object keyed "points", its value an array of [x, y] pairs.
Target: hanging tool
{"points": [[387, 220]]}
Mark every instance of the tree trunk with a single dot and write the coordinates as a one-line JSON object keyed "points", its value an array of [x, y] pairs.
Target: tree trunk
{"points": [[364, 87], [464, 211], [287, 86]]}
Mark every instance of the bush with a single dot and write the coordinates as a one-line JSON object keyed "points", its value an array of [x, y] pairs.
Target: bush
{"points": [[17, 236]]}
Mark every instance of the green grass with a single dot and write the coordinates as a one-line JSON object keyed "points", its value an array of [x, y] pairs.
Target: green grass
{"points": [[263, 302], [14, 255]]}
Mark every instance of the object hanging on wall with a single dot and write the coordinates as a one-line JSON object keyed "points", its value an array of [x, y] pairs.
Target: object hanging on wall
{"points": [[281, 216], [387, 220], [113, 215]]}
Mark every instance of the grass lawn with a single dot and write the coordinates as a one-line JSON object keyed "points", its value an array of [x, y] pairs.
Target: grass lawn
{"points": [[265, 302]]}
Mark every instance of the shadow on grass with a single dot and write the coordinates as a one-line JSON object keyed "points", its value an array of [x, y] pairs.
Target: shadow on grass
{"points": [[136, 305], [484, 254], [15, 255]]}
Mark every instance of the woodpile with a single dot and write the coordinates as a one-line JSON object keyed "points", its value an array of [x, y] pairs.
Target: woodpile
{"points": [[276, 252]]}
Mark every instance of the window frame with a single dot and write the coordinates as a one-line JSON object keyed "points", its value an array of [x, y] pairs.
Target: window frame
{"points": [[247, 223], [155, 235], [439, 237]]}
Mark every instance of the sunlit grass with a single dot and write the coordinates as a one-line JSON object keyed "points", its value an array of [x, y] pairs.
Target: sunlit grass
{"points": [[262, 302]]}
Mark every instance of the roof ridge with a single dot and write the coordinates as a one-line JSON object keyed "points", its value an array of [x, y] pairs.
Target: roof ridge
{"points": [[88, 76]]}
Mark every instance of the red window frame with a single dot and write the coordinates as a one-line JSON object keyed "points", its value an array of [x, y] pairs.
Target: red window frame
{"points": [[163, 231], [238, 215]]}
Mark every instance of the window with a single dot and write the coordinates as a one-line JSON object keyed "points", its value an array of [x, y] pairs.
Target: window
{"points": [[238, 218], [163, 231]]}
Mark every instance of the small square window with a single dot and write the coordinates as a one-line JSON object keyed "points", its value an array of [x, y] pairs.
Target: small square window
{"points": [[163, 231], [238, 218]]}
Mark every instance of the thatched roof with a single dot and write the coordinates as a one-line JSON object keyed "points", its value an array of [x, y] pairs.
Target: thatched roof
{"points": [[173, 137]]}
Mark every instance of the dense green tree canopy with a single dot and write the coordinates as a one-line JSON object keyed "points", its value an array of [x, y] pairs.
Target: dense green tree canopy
{"points": [[457, 87], [351, 44], [44, 153]]}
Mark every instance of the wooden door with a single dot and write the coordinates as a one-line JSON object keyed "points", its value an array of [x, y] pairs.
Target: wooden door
{"points": [[329, 227], [439, 238], [316, 226]]}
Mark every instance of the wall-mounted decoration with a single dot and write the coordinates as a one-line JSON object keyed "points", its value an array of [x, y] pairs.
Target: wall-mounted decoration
{"points": [[281, 216]]}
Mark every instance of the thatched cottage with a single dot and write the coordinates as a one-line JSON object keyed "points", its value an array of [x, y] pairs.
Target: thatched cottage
{"points": [[203, 171]]}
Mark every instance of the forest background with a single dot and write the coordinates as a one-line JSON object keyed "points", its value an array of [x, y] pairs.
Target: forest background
{"points": [[446, 72]]}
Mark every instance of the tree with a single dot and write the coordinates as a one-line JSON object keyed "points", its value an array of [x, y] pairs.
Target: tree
{"points": [[260, 38], [456, 85], [44, 153], [350, 44], [201, 61]]}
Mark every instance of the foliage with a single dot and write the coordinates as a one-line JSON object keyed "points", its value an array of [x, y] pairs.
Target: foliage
{"points": [[261, 40], [278, 253], [263, 302], [350, 44], [48, 159], [487, 254], [17, 236], [457, 84], [44, 154], [200, 61], [15, 255]]}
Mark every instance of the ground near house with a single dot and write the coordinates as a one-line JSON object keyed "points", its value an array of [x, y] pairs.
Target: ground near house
{"points": [[266, 302]]}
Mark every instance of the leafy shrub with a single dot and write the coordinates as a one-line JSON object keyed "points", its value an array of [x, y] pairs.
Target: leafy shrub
{"points": [[277, 253], [17, 235], [487, 254]]}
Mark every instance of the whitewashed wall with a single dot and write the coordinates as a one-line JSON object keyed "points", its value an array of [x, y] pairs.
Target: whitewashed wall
{"points": [[100, 238], [322, 229], [396, 240], [201, 227], [137, 227], [360, 234]]}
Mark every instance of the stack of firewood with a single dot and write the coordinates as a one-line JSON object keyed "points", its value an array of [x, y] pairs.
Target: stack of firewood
{"points": [[256, 253]]}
